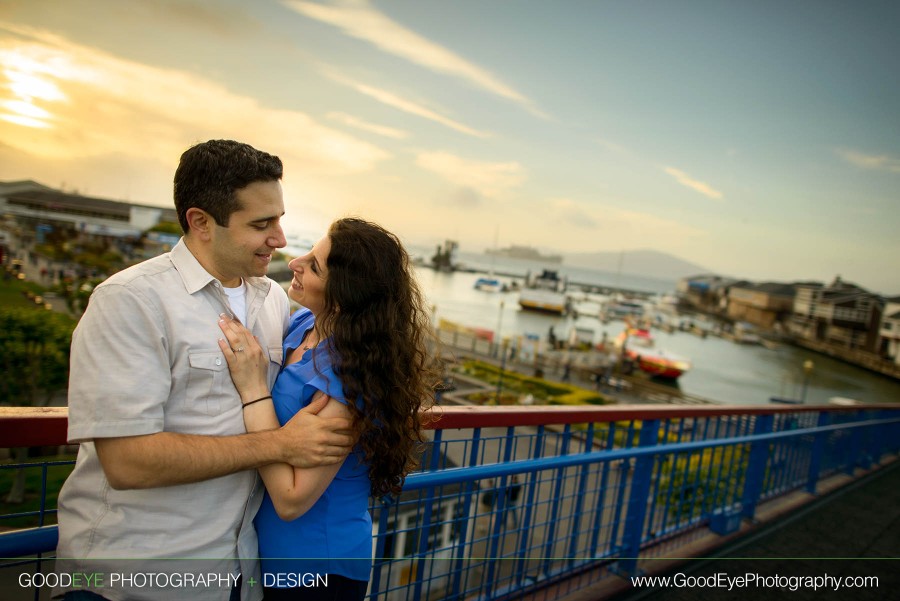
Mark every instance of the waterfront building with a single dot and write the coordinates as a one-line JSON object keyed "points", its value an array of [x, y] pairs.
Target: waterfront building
{"points": [[840, 314], [41, 209], [890, 330], [708, 292], [763, 305]]}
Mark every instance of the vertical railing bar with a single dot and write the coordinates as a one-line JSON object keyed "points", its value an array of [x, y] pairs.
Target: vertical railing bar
{"points": [[499, 515], [698, 474], [622, 484], [604, 482], [655, 495], [464, 532], [530, 486], [716, 458], [555, 505], [815, 464], [637, 503], [574, 530], [384, 515]]}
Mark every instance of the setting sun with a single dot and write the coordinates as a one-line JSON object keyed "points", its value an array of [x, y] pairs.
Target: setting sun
{"points": [[24, 81]]}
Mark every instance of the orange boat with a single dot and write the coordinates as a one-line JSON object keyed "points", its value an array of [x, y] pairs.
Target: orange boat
{"points": [[639, 348]]}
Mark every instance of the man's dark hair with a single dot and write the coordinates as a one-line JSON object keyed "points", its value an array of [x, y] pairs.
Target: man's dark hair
{"points": [[210, 173]]}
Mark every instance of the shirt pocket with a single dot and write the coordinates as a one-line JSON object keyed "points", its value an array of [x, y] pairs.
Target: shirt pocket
{"points": [[208, 381]]}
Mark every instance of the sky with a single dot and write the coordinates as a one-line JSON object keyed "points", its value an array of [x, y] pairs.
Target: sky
{"points": [[760, 140]]}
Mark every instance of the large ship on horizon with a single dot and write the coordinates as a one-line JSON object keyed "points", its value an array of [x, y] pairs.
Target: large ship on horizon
{"points": [[523, 252]]}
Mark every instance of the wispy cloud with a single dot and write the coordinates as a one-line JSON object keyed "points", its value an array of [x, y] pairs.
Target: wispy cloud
{"points": [[489, 179], [381, 130], [881, 162], [685, 180], [94, 104], [402, 104], [361, 20]]}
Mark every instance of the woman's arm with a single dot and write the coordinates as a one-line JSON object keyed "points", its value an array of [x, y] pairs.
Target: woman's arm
{"points": [[293, 490]]}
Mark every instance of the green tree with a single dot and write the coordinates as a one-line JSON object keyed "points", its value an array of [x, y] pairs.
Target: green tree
{"points": [[34, 365], [166, 227]]}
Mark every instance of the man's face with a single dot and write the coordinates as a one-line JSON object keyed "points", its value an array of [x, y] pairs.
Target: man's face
{"points": [[244, 248]]}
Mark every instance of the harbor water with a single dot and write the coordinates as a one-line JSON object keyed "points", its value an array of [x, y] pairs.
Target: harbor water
{"points": [[723, 371]]}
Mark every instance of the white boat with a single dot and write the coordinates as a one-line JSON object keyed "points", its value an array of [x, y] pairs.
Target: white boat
{"points": [[745, 333], [843, 401], [488, 285], [622, 308], [545, 293]]}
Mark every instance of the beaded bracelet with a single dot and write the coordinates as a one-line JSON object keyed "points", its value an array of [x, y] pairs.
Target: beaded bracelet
{"points": [[268, 396]]}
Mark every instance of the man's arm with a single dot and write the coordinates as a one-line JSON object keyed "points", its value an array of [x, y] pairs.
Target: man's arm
{"points": [[170, 458], [293, 490]]}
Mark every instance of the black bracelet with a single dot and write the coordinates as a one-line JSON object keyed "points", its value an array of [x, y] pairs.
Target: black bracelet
{"points": [[268, 396]]}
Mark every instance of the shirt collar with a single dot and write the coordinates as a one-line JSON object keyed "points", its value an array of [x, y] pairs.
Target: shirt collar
{"points": [[195, 277]]}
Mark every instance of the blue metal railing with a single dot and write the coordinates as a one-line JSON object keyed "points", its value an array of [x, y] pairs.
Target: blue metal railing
{"points": [[596, 488]]}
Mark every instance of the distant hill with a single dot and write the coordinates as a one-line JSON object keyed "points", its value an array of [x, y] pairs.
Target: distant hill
{"points": [[647, 263]]}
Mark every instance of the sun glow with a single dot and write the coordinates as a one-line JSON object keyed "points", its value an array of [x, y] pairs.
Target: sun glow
{"points": [[25, 82]]}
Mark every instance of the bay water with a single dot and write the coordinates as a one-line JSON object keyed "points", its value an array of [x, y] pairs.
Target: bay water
{"points": [[723, 371]]}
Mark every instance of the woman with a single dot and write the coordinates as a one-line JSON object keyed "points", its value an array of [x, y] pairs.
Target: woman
{"points": [[360, 340]]}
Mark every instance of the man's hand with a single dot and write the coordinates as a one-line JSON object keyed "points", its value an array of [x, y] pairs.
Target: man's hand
{"points": [[320, 434]]}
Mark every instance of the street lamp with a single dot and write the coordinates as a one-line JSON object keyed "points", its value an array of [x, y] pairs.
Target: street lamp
{"points": [[807, 371], [499, 336], [502, 368]]}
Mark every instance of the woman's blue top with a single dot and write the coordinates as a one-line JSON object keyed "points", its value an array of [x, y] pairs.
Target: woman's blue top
{"points": [[335, 535]]}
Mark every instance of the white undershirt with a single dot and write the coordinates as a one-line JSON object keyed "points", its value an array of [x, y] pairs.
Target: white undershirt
{"points": [[237, 298]]}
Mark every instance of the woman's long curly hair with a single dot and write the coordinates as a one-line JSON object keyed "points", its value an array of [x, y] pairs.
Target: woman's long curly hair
{"points": [[379, 330]]}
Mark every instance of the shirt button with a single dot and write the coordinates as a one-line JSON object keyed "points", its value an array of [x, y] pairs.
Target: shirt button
{"points": [[218, 362]]}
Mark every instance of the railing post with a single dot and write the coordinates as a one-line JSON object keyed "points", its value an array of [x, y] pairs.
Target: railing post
{"points": [[818, 451], [756, 469], [637, 501]]}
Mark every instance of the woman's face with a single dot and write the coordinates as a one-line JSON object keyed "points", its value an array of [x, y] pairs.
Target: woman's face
{"points": [[310, 272]]}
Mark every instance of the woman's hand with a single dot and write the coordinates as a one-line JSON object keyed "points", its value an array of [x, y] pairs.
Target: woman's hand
{"points": [[246, 360]]}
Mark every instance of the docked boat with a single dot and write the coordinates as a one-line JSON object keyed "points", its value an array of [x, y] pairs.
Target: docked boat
{"points": [[745, 333], [638, 346], [488, 285], [638, 337], [660, 363], [621, 308], [545, 292]]}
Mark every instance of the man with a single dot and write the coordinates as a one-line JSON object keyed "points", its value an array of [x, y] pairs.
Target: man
{"points": [[165, 468]]}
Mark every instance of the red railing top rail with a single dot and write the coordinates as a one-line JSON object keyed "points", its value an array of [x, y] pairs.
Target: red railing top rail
{"points": [[44, 426], [33, 426]]}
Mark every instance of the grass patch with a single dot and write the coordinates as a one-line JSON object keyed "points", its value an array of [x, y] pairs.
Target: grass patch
{"points": [[13, 291], [515, 386]]}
